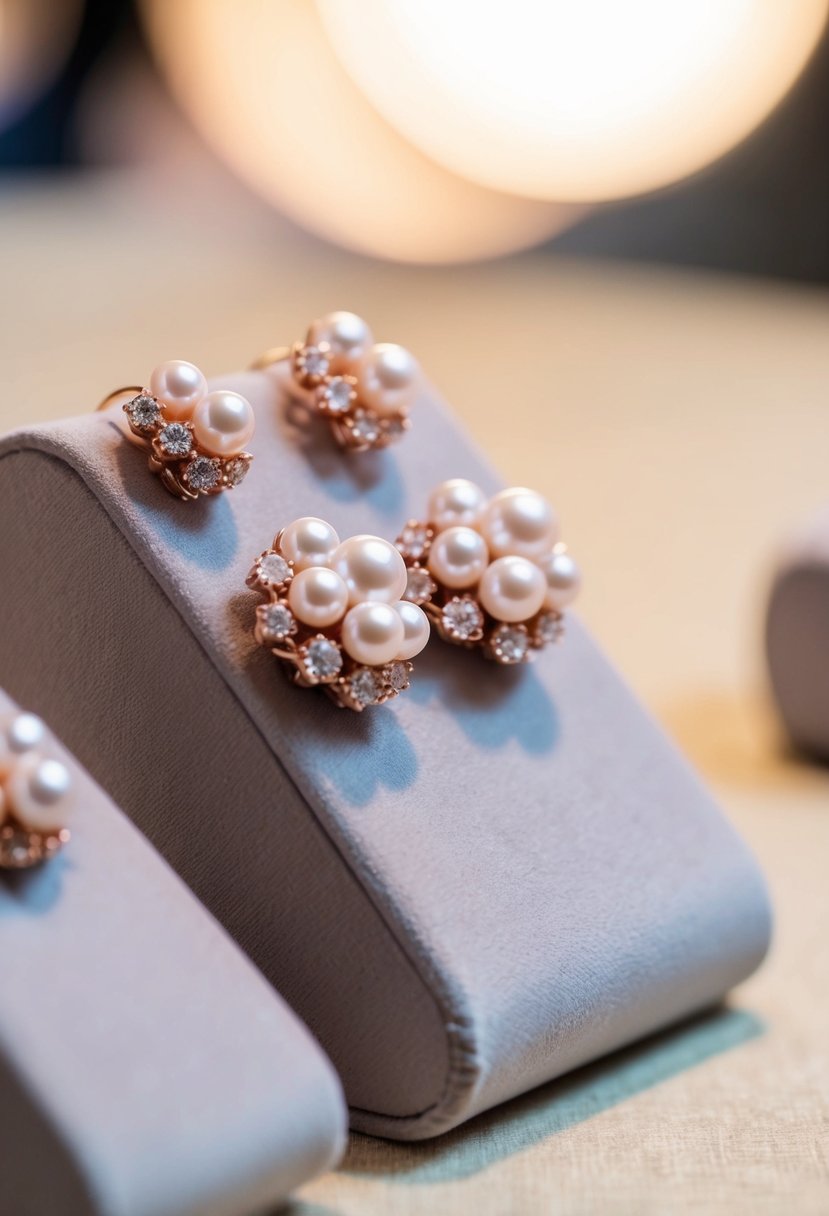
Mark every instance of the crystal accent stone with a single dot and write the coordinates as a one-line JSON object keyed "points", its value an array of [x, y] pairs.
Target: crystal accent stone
{"points": [[549, 628], [397, 675], [203, 473], [337, 395], [462, 619], [18, 848], [413, 542], [322, 660], [394, 428], [311, 361], [365, 686], [420, 585], [276, 622], [175, 439], [365, 427], [236, 470], [510, 643], [143, 411], [273, 570]]}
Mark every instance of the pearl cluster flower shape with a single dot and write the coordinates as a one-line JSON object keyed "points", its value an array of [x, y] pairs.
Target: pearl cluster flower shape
{"points": [[364, 389], [35, 794], [334, 612], [196, 438], [490, 573]]}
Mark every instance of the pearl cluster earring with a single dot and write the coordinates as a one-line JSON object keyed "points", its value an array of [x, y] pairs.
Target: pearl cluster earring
{"points": [[490, 573], [334, 612], [363, 389], [196, 439], [35, 795]]}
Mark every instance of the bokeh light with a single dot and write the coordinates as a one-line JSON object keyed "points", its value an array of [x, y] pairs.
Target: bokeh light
{"points": [[264, 88], [574, 101]]}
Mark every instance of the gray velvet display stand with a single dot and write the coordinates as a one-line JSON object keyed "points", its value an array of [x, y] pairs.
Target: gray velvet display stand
{"points": [[797, 636], [146, 1068], [499, 876]]}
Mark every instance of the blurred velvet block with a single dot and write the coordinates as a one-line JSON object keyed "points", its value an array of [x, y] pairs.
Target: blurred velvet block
{"points": [[498, 877], [797, 637], [146, 1069]]}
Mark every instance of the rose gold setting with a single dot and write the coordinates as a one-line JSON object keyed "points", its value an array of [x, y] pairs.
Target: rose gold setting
{"points": [[332, 385], [457, 613], [21, 849], [316, 657], [185, 467], [23, 844]]}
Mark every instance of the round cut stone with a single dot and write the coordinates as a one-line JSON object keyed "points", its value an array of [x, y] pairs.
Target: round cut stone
{"points": [[273, 570], [276, 622], [394, 428], [413, 542], [366, 686], [322, 660], [203, 473], [311, 361], [236, 470], [397, 675], [462, 619], [337, 395], [143, 411], [17, 848], [549, 628], [175, 439], [510, 643], [419, 585], [365, 427]]}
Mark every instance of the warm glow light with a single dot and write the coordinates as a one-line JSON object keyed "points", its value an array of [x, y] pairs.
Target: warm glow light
{"points": [[262, 84], [35, 38], [574, 99]]}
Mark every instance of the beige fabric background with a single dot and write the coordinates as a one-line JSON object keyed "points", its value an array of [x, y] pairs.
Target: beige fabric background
{"points": [[681, 425]]}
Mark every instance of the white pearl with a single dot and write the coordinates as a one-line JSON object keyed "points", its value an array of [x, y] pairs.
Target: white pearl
{"points": [[224, 423], [512, 589], [348, 337], [38, 792], [373, 633], [307, 542], [458, 557], [179, 386], [519, 521], [456, 501], [318, 596], [19, 734], [25, 732], [416, 629], [372, 569], [387, 381], [563, 579]]}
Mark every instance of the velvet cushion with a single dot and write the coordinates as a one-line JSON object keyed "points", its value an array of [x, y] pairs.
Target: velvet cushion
{"points": [[146, 1068], [493, 879]]}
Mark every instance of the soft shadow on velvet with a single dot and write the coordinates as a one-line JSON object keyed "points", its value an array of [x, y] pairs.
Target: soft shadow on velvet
{"points": [[33, 892], [493, 705], [555, 1107], [359, 754], [203, 532], [363, 754], [369, 477]]}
